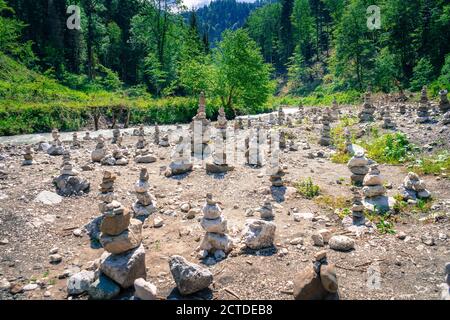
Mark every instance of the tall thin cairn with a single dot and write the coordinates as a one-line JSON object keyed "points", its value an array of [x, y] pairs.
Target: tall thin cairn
{"points": [[368, 109], [335, 110], [281, 116], [200, 129], [145, 204], [387, 119], [216, 240], [325, 139], [121, 237], [423, 109], [358, 165]]}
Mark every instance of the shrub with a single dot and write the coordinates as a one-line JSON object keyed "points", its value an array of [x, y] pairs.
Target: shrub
{"points": [[307, 188], [392, 148]]}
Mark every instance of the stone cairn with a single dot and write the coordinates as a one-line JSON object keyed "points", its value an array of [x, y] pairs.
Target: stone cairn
{"points": [[300, 112], [282, 140], [317, 281], [216, 240], [100, 151], [374, 191], [387, 120], [402, 109], [75, 142], [276, 174], [281, 116], [69, 183], [139, 131], [145, 204], [444, 104], [413, 188], [358, 166], [28, 156], [357, 209], [115, 158], [423, 109], [348, 141], [238, 125], [221, 124], [181, 159], [156, 135], [164, 141], [335, 110], [266, 210], [368, 109], [121, 237], [325, 139], [141, 143], [116, 135], [87, 136], [200, 129], [56, 148], [144, 156]]}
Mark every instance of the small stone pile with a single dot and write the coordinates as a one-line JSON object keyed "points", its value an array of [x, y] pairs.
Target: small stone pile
{"points": [[144, 156], [423, 109], [200, 129], [325, 139], [216, 240], [266, 210], [358, 166], [374, 191], [335, 110], [387, 120], [164, 141], [69, 183], [100, 151], [56, 148], [28, 156], [181, 159], [358, 218], [414, 188], [141, 143], [368, 109], [115, 158], [75, 142], [276, 175], [121, 237], [87, 136], [318, 281], [116, 135], [145, 204]]}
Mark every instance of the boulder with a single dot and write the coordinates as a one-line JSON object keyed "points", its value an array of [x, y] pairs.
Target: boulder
{"points": [[259, 234], [124, 268], [47, 197], [80, 282], [103, 289], [127, 240], [189, 277], [307, 285], [218, 225], [341, 243]]}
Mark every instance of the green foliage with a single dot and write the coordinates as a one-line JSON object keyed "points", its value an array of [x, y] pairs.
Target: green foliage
{"points": [[423, 74], [390, 148], [307, 188], [437, 164]]}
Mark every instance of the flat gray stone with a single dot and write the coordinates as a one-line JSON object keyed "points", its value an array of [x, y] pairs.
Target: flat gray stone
{"points": [[47, 197]]}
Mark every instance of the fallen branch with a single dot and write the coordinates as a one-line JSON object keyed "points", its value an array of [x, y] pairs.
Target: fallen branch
{"points": [[232, 293]]}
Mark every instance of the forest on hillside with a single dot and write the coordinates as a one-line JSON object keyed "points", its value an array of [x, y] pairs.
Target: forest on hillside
{"points": [[126, 52]]}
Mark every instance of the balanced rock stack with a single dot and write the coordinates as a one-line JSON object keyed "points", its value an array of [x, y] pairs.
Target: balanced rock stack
{"points": [[221, 124], [156, 135], [164, 141], [348, 141], [181, 159], [414, 188], [358, 166], [144, 156], [141, 143], [281, 116], [374, 192], [289, 122], [115, 158], [219, 163], [121, 237], [249, 122], [56, 148], [444, 104], [75, 142], [276, 175], [318, 281], [238, 125], [387, 120], [325, 139], [100, 151], [28, 156], [300, 112], [200, 129], [69, 183], [266, 210], [216, 240], [334, 110], [368, 109], [145, 204], [87, 136], [116, 135], [357, 209], [402, 109], [423, 109]]}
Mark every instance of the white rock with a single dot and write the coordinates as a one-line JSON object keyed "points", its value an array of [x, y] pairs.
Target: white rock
{"points": [[80, 282], [30, 287], [145, 290], [259, 234], [158, 222], [47, 197], [341, 243]]}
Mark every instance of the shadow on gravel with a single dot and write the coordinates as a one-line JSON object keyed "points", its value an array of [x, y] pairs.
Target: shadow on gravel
{"points": [[278, 193], [205, 294]]}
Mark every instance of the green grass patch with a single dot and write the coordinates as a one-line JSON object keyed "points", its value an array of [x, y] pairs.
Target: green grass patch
{"points": [[392, 148], [436, 164], [307, 188]]}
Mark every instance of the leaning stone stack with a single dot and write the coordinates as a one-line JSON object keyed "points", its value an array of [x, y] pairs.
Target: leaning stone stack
{"points": [[216, 240], [318, 281], [414, 188], [146, 202], [28, 156], [200, 129], [69, 183], [325, 139], [121, 237], [423, 109], [358, 166], [368, 109]]}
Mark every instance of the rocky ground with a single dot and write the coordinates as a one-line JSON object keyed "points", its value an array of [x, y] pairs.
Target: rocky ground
{"points": [[410, 268]]}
